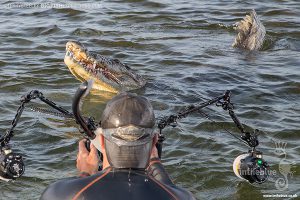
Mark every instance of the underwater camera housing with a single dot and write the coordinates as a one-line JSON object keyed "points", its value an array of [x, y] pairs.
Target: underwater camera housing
{"points": [[11, 164], [251, 167]]}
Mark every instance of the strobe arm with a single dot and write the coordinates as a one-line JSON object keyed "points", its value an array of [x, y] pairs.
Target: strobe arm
{"points": [[250, 139], [34, 94], [172, 119], [224, 101], [37, 94]]}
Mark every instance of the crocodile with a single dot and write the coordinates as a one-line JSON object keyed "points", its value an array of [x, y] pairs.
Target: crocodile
{"points": [[108, 74], [251, 33]]}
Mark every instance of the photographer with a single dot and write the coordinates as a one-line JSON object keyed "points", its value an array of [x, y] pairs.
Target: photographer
{"points": [[131, 167]]}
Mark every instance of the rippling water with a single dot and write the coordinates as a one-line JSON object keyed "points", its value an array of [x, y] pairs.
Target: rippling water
{"points": [[184, 51]]}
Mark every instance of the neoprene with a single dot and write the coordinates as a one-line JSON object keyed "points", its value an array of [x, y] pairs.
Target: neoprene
{"points": [[119, 184]]}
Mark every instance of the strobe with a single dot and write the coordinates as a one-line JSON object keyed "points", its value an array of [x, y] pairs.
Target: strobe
{"points": [[11, 164], [251, 167]]}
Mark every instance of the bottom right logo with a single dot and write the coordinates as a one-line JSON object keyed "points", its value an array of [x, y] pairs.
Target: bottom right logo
{"points": [[285, 166]]}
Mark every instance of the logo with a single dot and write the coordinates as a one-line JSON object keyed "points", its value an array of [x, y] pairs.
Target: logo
{"points": [[285, 166]]}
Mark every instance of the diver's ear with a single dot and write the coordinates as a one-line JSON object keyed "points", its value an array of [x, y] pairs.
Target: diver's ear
{"points": [[102, 143], [155, 139]]}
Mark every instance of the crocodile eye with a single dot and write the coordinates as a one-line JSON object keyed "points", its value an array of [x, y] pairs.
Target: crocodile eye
{"points": [[117, 61], [126, 66]]}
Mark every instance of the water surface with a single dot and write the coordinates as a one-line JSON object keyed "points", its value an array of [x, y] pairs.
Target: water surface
{"points": [[184, 51]]}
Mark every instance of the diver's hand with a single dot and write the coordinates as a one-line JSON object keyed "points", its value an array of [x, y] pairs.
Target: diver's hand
{"points": [[87, 162]]}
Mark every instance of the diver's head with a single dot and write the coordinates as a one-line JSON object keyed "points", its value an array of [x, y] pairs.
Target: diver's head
{"points": [[127, 126]]}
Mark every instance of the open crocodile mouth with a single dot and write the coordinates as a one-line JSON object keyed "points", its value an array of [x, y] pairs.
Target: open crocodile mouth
{"points": [[111, 74]]}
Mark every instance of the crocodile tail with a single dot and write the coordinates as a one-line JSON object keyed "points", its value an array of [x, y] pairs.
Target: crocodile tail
{"points": [[251, 33]]}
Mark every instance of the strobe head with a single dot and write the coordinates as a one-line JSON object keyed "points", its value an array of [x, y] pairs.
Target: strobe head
{"points": [[251, 167], [11, 165]]}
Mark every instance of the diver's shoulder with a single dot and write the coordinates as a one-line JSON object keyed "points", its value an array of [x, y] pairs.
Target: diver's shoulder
{"points": [[67, 188], [63, 189]]}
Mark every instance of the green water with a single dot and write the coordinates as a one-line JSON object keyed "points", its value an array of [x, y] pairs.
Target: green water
{"points": [[184, 51]]}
